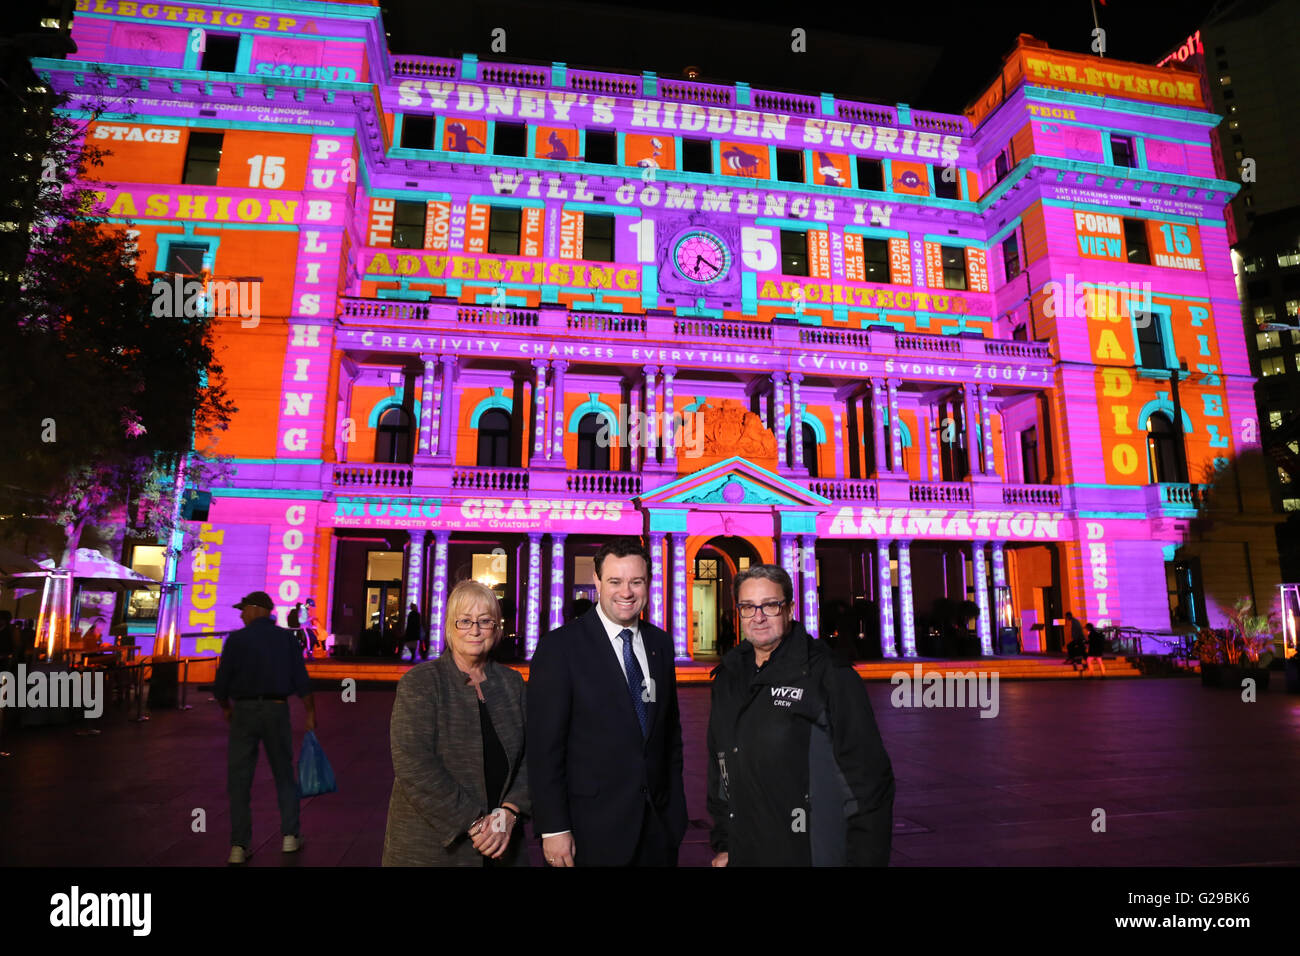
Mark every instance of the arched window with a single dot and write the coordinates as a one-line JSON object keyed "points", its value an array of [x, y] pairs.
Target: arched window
{"points": [[593, 443], [494, 439], [393, 437], [1163, 459]]}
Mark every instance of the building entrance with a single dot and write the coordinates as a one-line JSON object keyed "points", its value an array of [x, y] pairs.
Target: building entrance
{"points": [[713, 601]]}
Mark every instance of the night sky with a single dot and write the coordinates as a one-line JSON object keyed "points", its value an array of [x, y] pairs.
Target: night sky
{"points": [[948, 51]]}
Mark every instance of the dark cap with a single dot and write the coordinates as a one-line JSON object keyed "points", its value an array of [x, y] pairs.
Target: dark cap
{"points": [[256, 599]]}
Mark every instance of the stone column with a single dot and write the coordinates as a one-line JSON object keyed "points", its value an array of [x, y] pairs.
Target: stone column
{"points": [[681, 633], [971, 416], [796, 423], [986, 429], [555, 449], [447, 410], [438, 605], [789, 545], [557, 579], [879, 399], [808, 571], [348, 432], [539, 412], [907, 627], [999, 581], [895, 430], [648, 453], [657, 578], [428, 389], [982, 599], [778, 416], [414, 573], [885, 593], [533, 605], [839, 445], [936, 443], [670, 436]]}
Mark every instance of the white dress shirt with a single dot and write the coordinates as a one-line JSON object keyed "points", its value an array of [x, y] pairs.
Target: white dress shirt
{"points": [[612, 630]]}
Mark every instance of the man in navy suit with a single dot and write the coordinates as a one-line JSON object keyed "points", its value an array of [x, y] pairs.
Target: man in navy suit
{"points": [[604, 733]]}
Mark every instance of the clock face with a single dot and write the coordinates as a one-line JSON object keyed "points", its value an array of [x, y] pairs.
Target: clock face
{"points": [[702, 257]]}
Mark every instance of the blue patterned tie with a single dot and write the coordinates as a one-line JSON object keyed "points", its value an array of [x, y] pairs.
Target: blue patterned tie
{"points": [[635, 678]]}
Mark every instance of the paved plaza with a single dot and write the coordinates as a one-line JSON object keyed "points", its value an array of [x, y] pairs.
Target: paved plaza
{"points": [[1185, 776]]}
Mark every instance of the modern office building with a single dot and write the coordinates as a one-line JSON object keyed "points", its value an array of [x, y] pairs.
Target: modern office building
{"points": [[480, 316]]}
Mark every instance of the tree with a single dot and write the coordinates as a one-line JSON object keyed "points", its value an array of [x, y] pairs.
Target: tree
{"points": [[104, 400]]}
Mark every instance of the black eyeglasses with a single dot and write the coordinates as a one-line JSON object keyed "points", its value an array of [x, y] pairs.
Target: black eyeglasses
{"points": [[769, 609], [485, 624]]}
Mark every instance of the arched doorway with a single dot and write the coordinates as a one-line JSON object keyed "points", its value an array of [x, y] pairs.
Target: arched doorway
{"points": [[713, 602]]}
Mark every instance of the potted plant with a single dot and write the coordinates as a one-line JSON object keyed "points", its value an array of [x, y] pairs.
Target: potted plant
{"points": [[1232, 653]]}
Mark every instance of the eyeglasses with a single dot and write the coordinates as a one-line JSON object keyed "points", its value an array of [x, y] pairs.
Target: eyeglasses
{"points": [[485, 624], [769, 609]]}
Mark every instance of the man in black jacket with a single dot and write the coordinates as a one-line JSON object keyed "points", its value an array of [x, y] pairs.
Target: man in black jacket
{"points": [[798, 774]]}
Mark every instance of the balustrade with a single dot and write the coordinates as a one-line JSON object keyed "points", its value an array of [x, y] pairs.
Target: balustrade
{"points": [[373, 476]]}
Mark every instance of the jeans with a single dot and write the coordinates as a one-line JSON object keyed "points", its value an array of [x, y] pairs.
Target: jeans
{"points": [[266, 721]]}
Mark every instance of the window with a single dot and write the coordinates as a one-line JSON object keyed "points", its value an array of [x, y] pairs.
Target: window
{"points": [[1029, 456], [946, 188], [875, 254], [1121, 151], [602, 147], [809, 442], [598, 238], [1236, 139], [1274, 419], [1222, 64], [1001, 167], [197, 505], [954, 266], [220, 53], [1163, 459], [186, 258], [697, 156], [1186, 601], [1011, 257], [1228, 94], [1135, 241], [417, 132], [1267, 340], [1151, 349], [511, 139], [494, 439], [794, 253], [1272, 365], [1264, 314], [1290, 257], [1225, 80], [408, 225], [202, 159], [593, 443], [789, 165], [393, 437], [1292, 308], [503, 231], [871, 174]]}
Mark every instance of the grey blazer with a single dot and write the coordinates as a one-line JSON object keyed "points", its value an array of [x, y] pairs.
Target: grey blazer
{"points": [[437, 743]]}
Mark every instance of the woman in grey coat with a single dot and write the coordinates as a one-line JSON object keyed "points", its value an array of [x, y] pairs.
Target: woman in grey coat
{"points": [[457, 737]]}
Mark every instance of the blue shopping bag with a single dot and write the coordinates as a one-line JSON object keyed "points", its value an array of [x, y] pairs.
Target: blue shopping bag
{"points": [[315, 776]]}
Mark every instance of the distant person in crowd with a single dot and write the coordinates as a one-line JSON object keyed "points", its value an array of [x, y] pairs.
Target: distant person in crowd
{"points": [[261, 665], [295, 625], [726, 633], [413, 636], [91, 637], [1096, 643], [9, 640], [27, 647], [798, 774], [460, 783], [604, 729], [309, 628], [1077, 648]]}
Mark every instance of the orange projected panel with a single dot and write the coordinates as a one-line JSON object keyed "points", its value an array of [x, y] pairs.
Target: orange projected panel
{"points": [[855, 267], [531, 226], [554, 142], [255, 160], [379, 230], [1100, 236], [570, 234], [977, 270], [900, 263], [437, 226], [464, 135], [819, 254], [649, 152], [910, 179], [745, 159], [137, 153], [477, 218], [831, 169]]}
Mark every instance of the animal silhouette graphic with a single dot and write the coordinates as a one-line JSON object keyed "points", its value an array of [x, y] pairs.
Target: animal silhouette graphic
{"points": [[558, 149], [459, 138], [741, 161]]}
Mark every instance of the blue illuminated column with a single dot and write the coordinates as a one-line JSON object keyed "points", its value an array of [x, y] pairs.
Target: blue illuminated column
{"points": [[414, 571], [677, 541], [428, 407], [556, 402], [879, 398], [670, 436], [557, 579], [447, 409], [895, 430], [648, 433], [982, 599], [790, 561], [438, 606], [778, 417], [885, 591], [796, 422], [908, 625], [808, 551], [970, 417], [539, 411], [657, 578], [533, 612]]}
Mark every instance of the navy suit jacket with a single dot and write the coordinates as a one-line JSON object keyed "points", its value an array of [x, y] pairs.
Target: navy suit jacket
{"points": [[589, 769]]}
